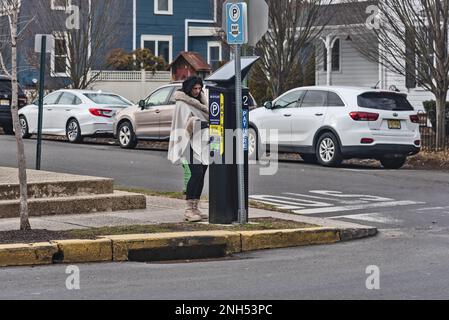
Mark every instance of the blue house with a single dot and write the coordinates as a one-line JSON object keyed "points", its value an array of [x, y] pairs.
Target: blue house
{"points": [[166, 27]]}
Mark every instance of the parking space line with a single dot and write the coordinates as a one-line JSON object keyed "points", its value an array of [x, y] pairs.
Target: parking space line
{"points": [[430, 209], [356, 207], [370, 217]]}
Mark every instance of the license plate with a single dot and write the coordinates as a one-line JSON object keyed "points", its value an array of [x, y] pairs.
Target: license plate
{"points": [[4, 103], [394, 124]]}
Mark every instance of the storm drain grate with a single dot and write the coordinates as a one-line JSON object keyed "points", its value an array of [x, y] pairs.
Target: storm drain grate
{"points": [[178, 253]]}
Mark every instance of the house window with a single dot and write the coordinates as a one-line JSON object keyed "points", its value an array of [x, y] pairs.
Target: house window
{"points": [[160, 46], [60, 57], [214, 54], [336, 56], [60, 4], [163, 7]]}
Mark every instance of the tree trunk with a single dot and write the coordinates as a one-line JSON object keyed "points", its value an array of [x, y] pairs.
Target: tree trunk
{"points": [[441, 121], [24, 221]]}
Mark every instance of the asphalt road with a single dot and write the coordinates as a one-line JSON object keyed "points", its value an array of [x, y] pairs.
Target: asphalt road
{"points": [[411, 266], [409, 207]]}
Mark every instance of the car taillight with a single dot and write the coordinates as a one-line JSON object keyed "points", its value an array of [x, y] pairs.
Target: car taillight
{"points": [[414, 118], [106, 113], [364, 116], [418, 142], [367, 141]]}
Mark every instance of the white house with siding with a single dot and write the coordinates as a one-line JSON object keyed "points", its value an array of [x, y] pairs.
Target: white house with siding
{"points": [[340, 63]]}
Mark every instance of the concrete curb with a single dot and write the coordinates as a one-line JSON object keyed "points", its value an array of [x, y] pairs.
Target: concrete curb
{"points": [[27, 254], [151, 246]]}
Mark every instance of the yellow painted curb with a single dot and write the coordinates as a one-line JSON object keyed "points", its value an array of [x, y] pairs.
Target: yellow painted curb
{"points": [[79, 251], [27, 254], [272, 239], [123, 244]]}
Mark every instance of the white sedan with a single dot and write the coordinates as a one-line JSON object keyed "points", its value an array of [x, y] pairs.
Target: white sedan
{"points": [[74, 114]]}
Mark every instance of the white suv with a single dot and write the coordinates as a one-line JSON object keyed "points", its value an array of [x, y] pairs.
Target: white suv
{"points": [[330, 124]]}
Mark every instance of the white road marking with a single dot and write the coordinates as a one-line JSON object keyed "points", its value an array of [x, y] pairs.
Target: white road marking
{"points": [[370, 217], [306, 196], [357, 207], [291, 203], [430, 209], [334, 201], [338, 194]]}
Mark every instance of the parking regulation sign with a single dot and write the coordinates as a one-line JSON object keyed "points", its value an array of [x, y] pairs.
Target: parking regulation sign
{"points": [[236, 23]]}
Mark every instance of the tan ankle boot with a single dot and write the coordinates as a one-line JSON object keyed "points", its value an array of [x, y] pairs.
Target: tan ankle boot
{"points": [[190, 214], [197, 211]]}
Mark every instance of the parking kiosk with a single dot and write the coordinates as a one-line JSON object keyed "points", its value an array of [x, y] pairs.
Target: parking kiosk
{"points": [[223, 172]]}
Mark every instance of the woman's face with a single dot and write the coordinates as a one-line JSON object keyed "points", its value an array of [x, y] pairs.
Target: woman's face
{"points": [[196, 90]]}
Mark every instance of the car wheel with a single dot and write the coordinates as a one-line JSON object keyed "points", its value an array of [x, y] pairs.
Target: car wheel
{"points": [[126, 136], [393, 163], [253, 145], [24, 127], [309, 158], [73, 131], [328, 151]]}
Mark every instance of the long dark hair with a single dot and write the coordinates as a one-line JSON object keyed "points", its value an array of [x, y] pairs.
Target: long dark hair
{"points": [[189, 83]]}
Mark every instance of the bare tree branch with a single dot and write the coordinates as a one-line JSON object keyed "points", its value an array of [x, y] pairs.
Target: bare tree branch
{"points": [[84, 35], [412, 40]]}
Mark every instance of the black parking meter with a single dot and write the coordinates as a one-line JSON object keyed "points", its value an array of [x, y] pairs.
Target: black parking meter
{"points": [[223, 172]]}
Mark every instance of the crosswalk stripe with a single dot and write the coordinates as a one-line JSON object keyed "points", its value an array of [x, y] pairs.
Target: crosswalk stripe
{"points": [[357, 207], [370, 217]]}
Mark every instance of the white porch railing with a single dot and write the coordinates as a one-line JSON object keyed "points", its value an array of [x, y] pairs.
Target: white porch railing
{"points": [[133, 85], [132, 75]]}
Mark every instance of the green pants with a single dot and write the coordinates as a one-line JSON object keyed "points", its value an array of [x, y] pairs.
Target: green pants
{"points": [[187, 174]]}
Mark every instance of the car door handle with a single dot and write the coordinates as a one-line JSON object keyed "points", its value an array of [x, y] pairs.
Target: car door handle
{"points": [[49, 109], [158, 111], [287, 115], [319, 114]]}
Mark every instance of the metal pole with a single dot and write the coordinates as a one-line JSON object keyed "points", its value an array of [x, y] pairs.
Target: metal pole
{"points": [[243, 214], [41, 103]]}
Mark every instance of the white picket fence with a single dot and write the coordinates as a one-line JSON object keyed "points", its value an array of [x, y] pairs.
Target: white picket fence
{"points": [[133, 85]]}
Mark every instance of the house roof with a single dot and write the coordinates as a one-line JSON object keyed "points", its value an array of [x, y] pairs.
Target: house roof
{"points": [[195, 60], [340, 14]]}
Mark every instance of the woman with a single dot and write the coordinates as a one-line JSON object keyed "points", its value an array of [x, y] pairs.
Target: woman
{"points": [[190, 113]]}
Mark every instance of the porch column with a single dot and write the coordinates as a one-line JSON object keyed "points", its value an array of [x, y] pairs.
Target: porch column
{"points": [[329, 46]]}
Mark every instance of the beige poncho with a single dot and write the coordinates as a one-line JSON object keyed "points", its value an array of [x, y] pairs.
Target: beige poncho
{"points": [[184, 131]]}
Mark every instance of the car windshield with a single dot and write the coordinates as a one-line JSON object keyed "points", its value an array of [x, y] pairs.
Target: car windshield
{"points": [[384, 101], [104, 98], [5, 87]]}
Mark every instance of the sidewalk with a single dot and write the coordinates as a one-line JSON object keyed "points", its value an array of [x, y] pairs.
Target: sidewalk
{"points": [[159, 210], [64, 199]]}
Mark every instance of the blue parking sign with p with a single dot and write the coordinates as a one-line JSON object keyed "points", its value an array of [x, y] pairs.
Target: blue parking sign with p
{"points": [[236, 25]]}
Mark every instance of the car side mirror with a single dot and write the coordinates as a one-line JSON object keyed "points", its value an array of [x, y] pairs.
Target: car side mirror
{"points": [[268, 105], [142, 104]]}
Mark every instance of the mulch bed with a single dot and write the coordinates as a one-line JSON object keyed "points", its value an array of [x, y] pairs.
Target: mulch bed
{"points": [[17, 236]]}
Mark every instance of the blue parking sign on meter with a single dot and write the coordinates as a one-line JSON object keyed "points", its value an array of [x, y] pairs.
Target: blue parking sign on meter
{"points": [[236, 23]]}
